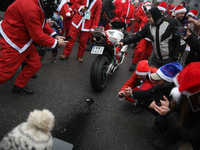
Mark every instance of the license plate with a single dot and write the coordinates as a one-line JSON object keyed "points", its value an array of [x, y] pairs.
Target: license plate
{"points": [[97, 50]]}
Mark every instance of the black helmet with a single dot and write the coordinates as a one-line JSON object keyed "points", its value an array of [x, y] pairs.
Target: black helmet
{"points": [[50, 6]]}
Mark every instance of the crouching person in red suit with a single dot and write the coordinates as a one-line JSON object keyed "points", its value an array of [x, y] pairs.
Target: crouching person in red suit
{"points": [[24, 23], [83, 23], [140, 80]]}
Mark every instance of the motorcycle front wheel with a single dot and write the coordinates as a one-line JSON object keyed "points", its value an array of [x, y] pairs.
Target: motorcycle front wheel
{"points": [[98, 77]]}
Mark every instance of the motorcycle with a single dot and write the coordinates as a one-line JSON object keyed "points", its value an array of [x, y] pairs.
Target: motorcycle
{"points": [[110, 55]]}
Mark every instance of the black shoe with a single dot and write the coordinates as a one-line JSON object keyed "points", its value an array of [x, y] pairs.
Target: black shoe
{"points": [[23, 90], [137, 109], [34, 76], [162, 143], [88, 49], [132, 67], [53, 60]]}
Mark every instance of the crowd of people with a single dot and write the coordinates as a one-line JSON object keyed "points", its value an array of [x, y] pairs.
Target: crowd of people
{"points": [[160, 84]]}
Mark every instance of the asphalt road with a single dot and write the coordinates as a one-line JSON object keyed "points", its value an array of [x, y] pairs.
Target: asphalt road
{"points": [[63, 88]]}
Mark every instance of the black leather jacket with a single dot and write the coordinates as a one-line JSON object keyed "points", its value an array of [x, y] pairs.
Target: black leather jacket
{"points": [[165, 43]]}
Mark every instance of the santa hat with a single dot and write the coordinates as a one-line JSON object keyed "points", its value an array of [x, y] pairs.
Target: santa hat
{"points": [[183, 3], [171, 7], [63, 9], [187, 80], [193, 13], [142, 68], [167, 72], [135, 1], [33, 134], [179, 9], [162, 6], [147, 3]]}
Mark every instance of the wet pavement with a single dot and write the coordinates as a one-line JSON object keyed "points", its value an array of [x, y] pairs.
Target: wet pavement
{"points": [[63, 88]]}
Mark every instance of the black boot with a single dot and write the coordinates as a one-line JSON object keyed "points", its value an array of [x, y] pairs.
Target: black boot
{"points": [[34, 76], [132, 67], [162, 143], [23, 90], [133, 55], [53, 58]]}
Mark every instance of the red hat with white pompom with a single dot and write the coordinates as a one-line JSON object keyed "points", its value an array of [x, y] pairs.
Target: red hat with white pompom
{"points": [[147, 3], [162, 6], [187, 81], [179, 9], [142, 68], [193, 13], [135, 1]]}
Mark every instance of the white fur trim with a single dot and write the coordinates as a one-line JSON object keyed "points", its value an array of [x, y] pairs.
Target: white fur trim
{"points": [[147, 4], [164, 77], [161, 8], [179, 11], [175, 80], [172, 10], [61, 5], [176, 94], [141, 73], [191, 14], [68, 14]]}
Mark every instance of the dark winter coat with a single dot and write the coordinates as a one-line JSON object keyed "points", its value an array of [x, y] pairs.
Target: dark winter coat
{"points": [[194, 54], [165, 43], [190, 133]]}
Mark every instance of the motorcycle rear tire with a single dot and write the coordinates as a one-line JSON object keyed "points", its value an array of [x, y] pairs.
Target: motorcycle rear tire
{"points": [[98, 77]]}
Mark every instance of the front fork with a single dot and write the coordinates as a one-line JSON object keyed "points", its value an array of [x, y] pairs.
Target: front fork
{"points": [[117, 61]]}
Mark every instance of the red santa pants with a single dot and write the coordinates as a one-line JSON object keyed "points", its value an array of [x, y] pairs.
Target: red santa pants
{"points": [[145, 86], [67, 24], [82, 41], [143, 51], [11, 59]]}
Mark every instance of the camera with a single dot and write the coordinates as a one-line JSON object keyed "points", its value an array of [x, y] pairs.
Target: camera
{"points": [[55, 24], [180, 31], [156, 94]]}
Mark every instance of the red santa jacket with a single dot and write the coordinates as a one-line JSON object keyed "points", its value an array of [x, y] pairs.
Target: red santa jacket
{"points": [[134, 78], [118, 9], [71, 8], [63, 8], [80, 20], [141, 14], [25, 22], [128, 12]]}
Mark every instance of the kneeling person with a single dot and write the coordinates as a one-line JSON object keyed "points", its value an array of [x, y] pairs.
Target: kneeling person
{"points": [[140, 80]]}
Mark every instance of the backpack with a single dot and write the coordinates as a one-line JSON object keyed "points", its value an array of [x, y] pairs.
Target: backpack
{"points": [[107, 11], [4, 4]]}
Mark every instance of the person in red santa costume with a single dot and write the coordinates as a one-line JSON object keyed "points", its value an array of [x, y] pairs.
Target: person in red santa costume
{"points": [[128, 12], [169, 10], [68, 19], [140, 80], [118, 13], [141, 14], [24, 24], [83, 23]]}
